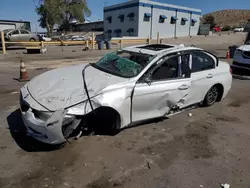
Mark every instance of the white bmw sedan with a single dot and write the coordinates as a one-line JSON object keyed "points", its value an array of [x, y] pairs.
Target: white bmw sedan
{"points": [[121, 89]]}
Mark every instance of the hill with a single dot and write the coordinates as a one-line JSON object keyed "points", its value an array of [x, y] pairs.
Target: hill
{"points": [[233, 17]]}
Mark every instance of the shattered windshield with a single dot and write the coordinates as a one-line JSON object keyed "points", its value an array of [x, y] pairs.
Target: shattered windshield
{"points": [[5, 31], [123, 63]]}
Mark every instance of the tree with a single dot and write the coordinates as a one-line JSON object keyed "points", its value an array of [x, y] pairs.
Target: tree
{"points": [[50, 14], [60, 12], [209, 19], [74, 9]]}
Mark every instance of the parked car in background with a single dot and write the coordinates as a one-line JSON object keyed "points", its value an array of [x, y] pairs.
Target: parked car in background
{"points": [[44, 37], [74, 38], [241, 59], [19, 35], [79, 38], [239, 29], [121, 89], [216, 29]]}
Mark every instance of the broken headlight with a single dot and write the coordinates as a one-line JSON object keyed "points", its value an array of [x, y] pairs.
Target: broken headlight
{"points": [[68, 119], [44, 116]]}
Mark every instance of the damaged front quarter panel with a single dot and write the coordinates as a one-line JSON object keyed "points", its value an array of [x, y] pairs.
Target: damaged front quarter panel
{"points": [[84, 108], [54, 127]]}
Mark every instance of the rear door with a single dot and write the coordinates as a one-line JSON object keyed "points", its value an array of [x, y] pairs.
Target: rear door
{"points": [[203, 75], [162, 87], [25, 35]]}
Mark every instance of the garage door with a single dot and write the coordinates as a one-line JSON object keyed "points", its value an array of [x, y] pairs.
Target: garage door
{"points": [[7, 26]]}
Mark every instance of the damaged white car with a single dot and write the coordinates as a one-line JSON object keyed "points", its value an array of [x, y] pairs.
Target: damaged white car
{"points": [[122, 89]]}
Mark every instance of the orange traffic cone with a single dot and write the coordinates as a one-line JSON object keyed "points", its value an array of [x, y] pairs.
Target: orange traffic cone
{"points": [[228, 55], [23, 73]]}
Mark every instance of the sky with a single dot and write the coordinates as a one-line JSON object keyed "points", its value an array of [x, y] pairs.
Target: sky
{"points": [[25, 9]]}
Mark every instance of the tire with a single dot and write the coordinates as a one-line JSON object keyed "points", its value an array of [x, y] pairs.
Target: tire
{"points": [[105, 121], [32, 40], [211, 96]]}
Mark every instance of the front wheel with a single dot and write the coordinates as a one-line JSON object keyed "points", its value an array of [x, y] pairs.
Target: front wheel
{"points": [[211, 96]]}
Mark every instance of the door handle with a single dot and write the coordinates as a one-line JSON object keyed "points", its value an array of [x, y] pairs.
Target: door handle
{"points": [[209, 76], [183, 87]]}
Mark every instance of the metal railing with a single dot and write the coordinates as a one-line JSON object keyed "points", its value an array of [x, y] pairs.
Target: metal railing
{"points": [[88, 43]]}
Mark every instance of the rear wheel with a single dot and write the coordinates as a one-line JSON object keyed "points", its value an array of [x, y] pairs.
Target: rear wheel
{"points": [[211, 96], [32, 40]]}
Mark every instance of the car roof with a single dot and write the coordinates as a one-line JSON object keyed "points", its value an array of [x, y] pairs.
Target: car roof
{"points": [[157, 49]]}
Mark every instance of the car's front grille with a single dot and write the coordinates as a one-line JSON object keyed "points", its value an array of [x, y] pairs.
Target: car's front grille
{"points": [[23, 105], [241, 64], [246, 54]]}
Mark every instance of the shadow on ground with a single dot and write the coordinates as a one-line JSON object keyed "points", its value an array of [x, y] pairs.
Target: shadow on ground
{"points": [[29, 144], [18, 133]]}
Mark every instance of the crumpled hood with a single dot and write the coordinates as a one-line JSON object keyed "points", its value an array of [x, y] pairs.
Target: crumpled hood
{"points": [[63, 87], [244, 48]]}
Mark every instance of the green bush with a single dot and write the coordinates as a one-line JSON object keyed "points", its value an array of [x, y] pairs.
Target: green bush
{"points": [[226, 28]]}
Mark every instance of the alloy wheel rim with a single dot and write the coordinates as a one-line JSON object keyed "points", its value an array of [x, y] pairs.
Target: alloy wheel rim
{"points": [[212, 95]]}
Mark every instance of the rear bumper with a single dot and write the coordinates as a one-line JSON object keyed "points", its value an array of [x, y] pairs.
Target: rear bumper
{"points": [[240, 69]]}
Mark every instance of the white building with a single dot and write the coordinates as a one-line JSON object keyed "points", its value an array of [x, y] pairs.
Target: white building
{"points": [[144, 18], [12, 24]]}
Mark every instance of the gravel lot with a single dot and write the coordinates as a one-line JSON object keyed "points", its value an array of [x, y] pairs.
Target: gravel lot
{"points": [[199, 151]]}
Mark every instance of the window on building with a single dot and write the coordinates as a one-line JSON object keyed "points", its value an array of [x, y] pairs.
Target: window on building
{"points": [[121, 17], [130, 31], [173, 20], [118, 33], [24, 32], [193, 21], [109, 19], [16, 32], [131, 16], [202, 61], [162, 18], [109, 33], [183, 21], [147, 17]]}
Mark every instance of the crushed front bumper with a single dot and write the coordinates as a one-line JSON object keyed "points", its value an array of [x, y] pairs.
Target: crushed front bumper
{"points": [[50, 133]]}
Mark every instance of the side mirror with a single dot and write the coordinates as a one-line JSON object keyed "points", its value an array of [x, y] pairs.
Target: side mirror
{"points": [[147, 79]]}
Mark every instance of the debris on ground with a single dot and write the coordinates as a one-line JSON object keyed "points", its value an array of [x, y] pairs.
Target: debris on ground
{"points": [[225, 185], [148, 165], [190, 115]]}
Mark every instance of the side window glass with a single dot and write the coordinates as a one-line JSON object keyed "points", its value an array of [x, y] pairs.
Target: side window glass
{"points": [[24, 32], [168, 70], [16, 32], [201, 61]]}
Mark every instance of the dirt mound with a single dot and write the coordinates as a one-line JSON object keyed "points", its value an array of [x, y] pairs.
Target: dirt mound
{"points": [[233, 17]]}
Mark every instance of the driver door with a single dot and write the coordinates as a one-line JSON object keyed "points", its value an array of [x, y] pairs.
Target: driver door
{"points": [[166, 87], [14, 36]]}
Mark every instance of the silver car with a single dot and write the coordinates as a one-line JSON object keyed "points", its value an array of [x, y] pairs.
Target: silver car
{"points": [[19, 35], [121, 89]]}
